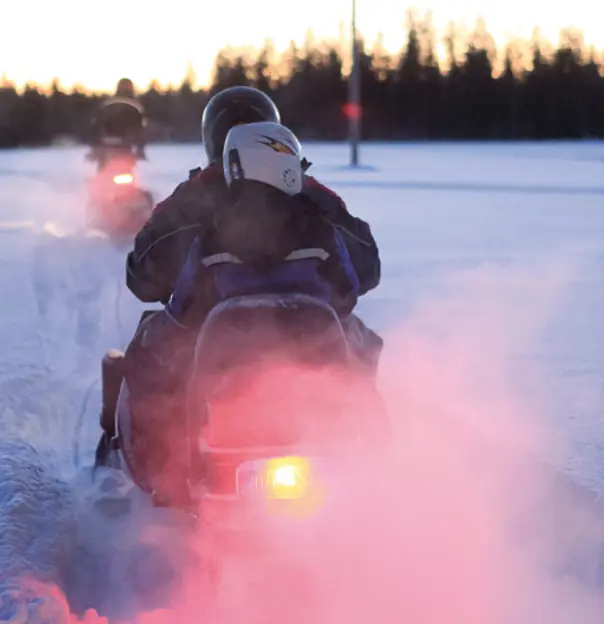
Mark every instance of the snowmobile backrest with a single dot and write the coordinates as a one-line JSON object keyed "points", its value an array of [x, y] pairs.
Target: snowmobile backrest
{"points": [[262, 364], [242, 330]]}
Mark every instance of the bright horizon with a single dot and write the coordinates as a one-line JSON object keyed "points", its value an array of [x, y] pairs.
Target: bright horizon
{"points": [[129, 39]]}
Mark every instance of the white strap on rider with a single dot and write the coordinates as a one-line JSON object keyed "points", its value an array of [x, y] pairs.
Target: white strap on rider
{"points": [[299, 254]]}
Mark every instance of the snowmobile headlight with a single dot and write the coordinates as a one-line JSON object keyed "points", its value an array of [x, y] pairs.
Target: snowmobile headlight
{"points": [[123, 178], [277, 478]]}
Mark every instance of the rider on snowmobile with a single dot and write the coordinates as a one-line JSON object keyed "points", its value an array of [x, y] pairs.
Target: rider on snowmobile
{"points": [[269, 236], [120, 117], [265, 219], [162, 245]]}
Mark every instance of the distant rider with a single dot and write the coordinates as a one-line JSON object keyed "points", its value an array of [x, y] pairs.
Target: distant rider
{"points": [[120, 118]]}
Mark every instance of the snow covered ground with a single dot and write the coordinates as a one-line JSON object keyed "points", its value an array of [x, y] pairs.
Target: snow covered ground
{"points": [[493, 270]]}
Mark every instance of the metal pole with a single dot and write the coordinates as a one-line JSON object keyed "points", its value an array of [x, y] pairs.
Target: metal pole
{"points": [[354, 95]]}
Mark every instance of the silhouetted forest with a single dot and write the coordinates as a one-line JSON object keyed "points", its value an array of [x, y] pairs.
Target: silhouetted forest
{"points": [[529, 90]]}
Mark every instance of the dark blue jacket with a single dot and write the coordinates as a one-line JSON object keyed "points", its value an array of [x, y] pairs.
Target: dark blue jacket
{"points": [[263, 241], [162, 245]]}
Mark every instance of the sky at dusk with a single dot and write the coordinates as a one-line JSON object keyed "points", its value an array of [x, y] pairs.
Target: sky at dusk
{"points": [[95, 44]]}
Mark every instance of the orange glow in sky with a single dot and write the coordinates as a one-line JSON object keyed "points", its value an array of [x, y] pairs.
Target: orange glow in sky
{"points": [[95, 44]]}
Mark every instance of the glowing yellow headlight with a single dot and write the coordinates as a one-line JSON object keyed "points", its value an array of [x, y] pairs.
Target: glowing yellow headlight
{"points": [[276, 478], [288, 477]]}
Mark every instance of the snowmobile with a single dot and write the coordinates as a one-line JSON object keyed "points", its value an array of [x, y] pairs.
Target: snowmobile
{"points": [[273, 386], [117, 205], [275, 405]]}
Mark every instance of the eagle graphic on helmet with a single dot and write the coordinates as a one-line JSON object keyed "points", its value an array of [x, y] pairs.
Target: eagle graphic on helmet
{"points": [[278, 146]]}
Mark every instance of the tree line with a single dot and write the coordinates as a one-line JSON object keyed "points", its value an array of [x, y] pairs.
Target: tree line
{"points": [[528, 90]]}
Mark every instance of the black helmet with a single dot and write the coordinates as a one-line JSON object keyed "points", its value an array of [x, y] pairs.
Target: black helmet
{"points": [[228, 108], [125, 88]]}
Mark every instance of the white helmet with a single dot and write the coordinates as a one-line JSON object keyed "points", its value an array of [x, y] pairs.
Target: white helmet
{"points": [[265, 152]]}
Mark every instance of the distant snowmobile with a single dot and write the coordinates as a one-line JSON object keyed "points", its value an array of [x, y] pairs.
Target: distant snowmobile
{"points": [[116, 205]]}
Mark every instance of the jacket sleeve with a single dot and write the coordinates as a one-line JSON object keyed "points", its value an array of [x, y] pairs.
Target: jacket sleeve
{"points": [[341, 274], [356, 234], [161, 246]]}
